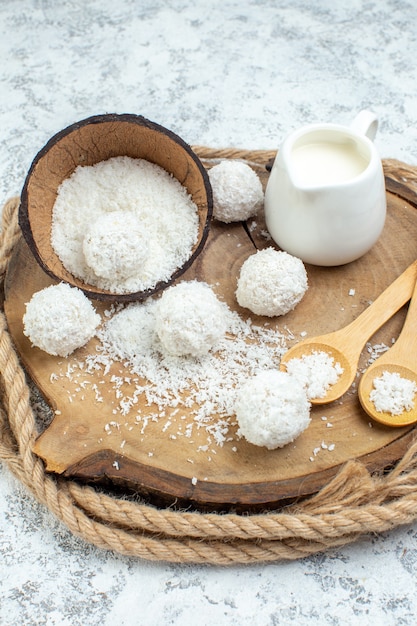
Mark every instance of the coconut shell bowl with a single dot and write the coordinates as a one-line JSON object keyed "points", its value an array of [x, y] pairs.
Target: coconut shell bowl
{"points": [[88, 142]]}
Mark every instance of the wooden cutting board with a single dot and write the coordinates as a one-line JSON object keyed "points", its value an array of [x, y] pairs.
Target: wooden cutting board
{"points": [[83, 441]]}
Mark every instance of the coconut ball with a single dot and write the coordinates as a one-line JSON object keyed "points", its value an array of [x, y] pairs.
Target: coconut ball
{"points": [[272, 409], [271, 282], [189, 319], [237, 191], [114, 246], [59, 319]]}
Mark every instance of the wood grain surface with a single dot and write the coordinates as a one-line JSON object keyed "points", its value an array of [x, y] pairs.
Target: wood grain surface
{"points": [[77, 443]]}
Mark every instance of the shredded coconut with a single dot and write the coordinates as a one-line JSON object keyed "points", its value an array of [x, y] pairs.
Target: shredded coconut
{"points": [[168, 220], [237, 191], [271, 282], [316, 371], [272, 409], [376, 350], [392, 393], [59, 319], [189, 319], [205, 386]]}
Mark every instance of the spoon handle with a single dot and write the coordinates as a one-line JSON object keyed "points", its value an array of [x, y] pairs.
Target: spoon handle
{"points": [[404, 350], [381, 310]]}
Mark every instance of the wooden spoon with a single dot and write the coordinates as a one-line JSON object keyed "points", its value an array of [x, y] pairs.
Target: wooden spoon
{"points": [[400, 358], [345, 345]]}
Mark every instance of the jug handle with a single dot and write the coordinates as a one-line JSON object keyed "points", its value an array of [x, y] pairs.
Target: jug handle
{"points": [[365, 123]]}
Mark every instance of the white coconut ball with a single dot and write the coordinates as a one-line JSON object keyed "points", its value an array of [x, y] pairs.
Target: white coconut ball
{"points": [[59, 319], [189, 319], [237, 191], [114, 246], [272, 409], [271, 282]]}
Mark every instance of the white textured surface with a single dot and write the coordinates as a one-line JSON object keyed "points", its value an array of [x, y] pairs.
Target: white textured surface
{"points": [[222, 74]]}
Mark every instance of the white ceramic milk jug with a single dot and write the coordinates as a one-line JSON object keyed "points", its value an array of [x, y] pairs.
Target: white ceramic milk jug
{"points": [[325, 200]]}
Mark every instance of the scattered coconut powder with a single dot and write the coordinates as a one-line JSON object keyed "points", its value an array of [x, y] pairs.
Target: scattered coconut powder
{"points": [[317, 371], [392, 393], [207, 385], [168, 219], [375, 350], [210, 381], [204, 386]]}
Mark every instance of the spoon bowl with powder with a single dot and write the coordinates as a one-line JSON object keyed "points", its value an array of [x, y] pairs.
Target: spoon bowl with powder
{"points": [[344, 346], [388, 388]]}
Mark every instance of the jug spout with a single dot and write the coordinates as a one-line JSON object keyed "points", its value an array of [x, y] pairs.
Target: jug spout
{"points": [[291, 170]]}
